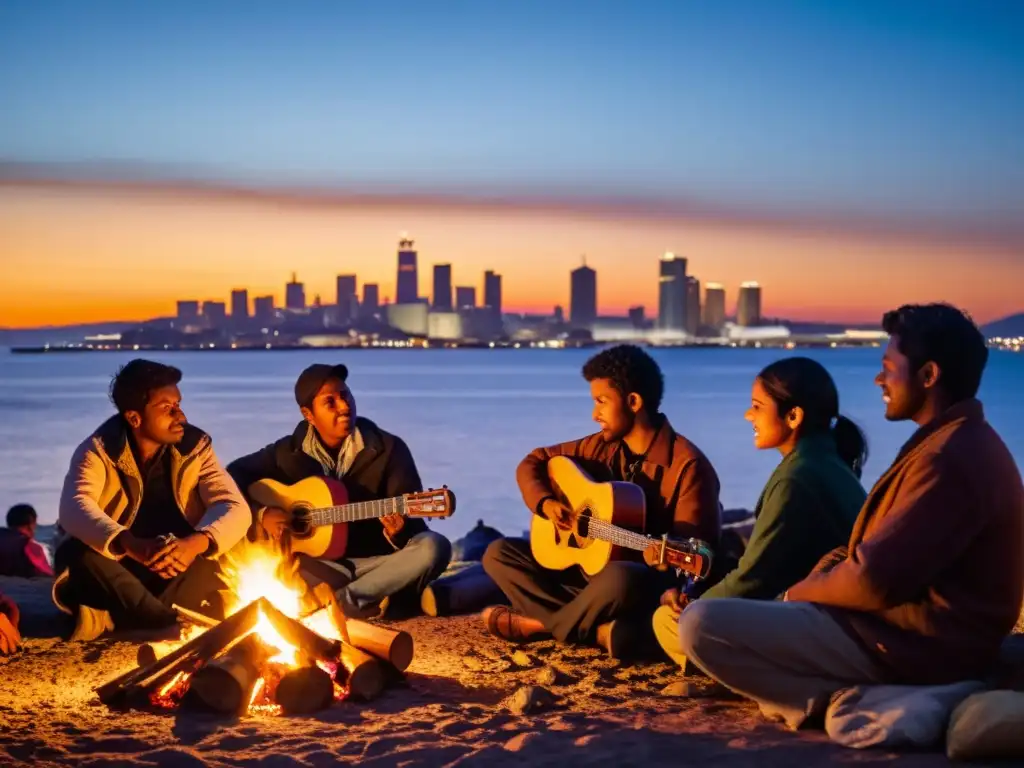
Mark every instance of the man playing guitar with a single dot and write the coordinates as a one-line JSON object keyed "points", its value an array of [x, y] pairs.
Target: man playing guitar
{"points": [[636, 444], [391, 556]]}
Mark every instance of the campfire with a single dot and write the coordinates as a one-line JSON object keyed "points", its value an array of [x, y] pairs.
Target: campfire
{"points": [[283, 648]]}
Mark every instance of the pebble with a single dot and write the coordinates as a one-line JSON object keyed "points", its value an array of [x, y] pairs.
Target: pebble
{"points": [[549, 676], [522, 659], [679, 689], [529, 699], [518, 741]]}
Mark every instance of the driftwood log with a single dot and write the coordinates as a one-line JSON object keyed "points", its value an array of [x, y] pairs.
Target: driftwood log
{"points": [[304, 690], [194, 617], [225, 684], [308, 642], [149, 653], [394, 647], [189, 657]]}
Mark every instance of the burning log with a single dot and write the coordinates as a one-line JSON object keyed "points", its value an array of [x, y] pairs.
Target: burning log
{"points": [[358, 670], [226, 684], [304, 690], [394, 647], [188, 657], [194, 617], [302, 637]]}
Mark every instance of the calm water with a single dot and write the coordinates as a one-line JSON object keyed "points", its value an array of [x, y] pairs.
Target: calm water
{"points": [[468, 415]]}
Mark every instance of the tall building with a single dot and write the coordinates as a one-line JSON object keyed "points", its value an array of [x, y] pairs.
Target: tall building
{"points": [[672, 293], [214, 314], [371, 300], [294, 294], [465, 297], [347, 303], [442, 287], [492, 292], [714, 305], [188, 312], [240, 304], [407, 284], [636, 317], [263, 308], [748, 305], [692, 305], [582, 297]]}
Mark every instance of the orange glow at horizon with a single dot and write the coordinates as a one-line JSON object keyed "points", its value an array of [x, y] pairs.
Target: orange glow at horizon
{"points": [[79, 256]]}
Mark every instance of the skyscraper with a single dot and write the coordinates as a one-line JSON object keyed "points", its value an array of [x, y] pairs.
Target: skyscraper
{"points": [[492, 292], [214, 314], [294, 294], [672, 293], [465, 297], [582, 297], [263, 308], [692, 305], [240, 304], [714, 305], [748, 305], [407, 284], [443, 287], [188, 312], [371, 300], [346, 302]]}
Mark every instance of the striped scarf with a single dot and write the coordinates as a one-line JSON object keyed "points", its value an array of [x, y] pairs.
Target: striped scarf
{"points": [[333, 466]]}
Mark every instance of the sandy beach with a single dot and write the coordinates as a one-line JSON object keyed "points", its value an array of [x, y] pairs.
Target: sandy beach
{"points": [[452, 709]]}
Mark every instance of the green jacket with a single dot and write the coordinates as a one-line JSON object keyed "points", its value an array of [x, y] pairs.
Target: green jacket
{"points": [[806, 510]]}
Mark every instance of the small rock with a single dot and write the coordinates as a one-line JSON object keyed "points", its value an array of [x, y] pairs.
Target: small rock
{"points": [[472, 662], [550, 676], [518, 741], [528, 699], [521, 659], [680, 689]]}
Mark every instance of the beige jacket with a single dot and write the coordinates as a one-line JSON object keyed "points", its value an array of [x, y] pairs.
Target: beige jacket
{"points": [[103, 490]]}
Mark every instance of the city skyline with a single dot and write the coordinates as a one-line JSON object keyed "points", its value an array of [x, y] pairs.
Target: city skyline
{"points": [[200, 242]]}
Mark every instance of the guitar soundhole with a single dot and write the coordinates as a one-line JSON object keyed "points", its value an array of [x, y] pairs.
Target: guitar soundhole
{"points": [[302, 523], [581, 540]]}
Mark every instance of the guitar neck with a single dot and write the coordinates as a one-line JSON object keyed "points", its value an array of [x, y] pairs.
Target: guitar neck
{"points": [[361, 510], [599, 529]]}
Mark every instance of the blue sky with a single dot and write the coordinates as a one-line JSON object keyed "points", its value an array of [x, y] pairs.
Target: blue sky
{"points": [[893, 108]]}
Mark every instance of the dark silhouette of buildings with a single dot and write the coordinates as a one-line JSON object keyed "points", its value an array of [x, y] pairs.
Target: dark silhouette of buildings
{"points": [[239, 305], [714, 306], [346, 304], [582, 297], [492, 293], [748, 305], [442, 287], [294, 294], [672, 293], [407, 284], [692, 305], [263, 308], [465, 297], [371, 300]]}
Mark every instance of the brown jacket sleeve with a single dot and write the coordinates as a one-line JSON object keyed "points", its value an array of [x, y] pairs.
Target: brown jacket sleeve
{"points": [[532, 472], [698, 512], [931, 523]]}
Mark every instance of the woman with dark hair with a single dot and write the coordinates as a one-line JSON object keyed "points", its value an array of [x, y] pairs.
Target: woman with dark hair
{"points": [[809, 505]]}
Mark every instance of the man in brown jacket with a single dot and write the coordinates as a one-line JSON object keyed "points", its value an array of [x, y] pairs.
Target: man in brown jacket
{"points": [[933, 576], [637, 444], [145, 510]]}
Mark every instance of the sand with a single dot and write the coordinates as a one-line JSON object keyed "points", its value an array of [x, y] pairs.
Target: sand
{"points": [[451, 710]]}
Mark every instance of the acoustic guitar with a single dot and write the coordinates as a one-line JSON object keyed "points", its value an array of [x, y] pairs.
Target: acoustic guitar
{"points": [[608, 518], [319, 511]]}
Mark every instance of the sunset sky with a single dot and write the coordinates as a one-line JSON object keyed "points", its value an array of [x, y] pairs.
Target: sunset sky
{"points": [[848, 155]]}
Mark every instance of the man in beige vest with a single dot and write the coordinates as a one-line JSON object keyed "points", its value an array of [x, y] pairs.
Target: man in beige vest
{"points": [[145, 511]]}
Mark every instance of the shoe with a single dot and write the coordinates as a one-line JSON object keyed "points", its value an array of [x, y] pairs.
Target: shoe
{"points": [[90, 624], [616, 638], [501, 621], [428, 602]]}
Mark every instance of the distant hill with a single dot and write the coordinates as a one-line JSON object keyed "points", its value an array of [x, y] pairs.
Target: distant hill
{"points": [[1008, 327], [57, 334]]}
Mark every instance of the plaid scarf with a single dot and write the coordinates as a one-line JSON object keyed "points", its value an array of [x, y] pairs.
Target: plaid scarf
{"points": [[333, 466]]}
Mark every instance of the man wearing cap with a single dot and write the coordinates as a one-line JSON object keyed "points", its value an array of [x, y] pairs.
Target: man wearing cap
{"points": [[391, 556]]}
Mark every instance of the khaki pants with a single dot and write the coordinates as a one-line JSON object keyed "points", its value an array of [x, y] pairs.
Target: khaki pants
{"points": [[788, 657]]}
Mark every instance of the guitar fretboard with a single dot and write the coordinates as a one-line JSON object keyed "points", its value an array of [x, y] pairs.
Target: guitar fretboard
{"points": [[362, 510], [600, 529]]}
